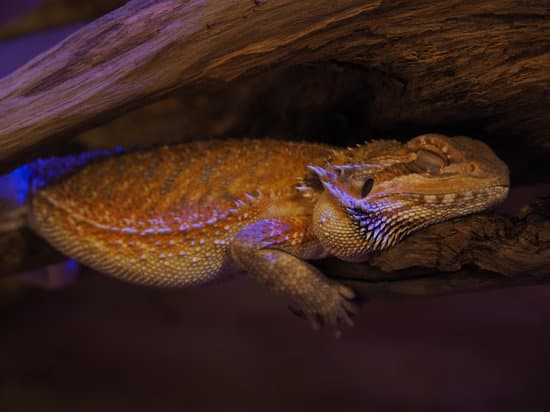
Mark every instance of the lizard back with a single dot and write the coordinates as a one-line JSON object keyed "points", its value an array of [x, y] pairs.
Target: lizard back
{"points": [[172, 209]]}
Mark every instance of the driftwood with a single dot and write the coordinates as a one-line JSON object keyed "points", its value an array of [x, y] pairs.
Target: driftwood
{"points": [[467, 254], [146, 49], [442, 62]]}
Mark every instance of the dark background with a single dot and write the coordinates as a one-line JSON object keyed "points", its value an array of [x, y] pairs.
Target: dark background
{"points": [[101, 344]]}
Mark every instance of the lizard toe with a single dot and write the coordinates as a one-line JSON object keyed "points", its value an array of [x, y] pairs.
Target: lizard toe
{"points": [[346, 292]]}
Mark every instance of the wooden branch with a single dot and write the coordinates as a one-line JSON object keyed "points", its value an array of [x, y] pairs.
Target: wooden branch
{"points": [[467, 254], [146, 49], [449, 61]]}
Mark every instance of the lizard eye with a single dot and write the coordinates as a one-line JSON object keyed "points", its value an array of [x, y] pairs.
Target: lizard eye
{"points": [[429, 161], [367, 187]]}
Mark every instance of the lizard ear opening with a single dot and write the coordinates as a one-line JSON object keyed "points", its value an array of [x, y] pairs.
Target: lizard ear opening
{"points": [[315, 181], [332, 181], [367, 187]]}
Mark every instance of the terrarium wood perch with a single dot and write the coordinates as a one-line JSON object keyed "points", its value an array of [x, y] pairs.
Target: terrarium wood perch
{"points": [[446, 61], [432, 63]]}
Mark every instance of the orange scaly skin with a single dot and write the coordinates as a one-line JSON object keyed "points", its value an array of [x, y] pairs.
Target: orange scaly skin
{"points": [[192, 213]]}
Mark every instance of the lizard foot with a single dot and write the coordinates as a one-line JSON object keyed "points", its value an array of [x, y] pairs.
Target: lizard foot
{"points": [[330, 305], [318, 299]]}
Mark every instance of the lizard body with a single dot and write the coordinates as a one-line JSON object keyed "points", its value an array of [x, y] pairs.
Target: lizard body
{"points": [[192, 213]]}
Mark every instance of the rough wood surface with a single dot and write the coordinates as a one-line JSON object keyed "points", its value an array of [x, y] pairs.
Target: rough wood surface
{"points": [[466, 254], [146, 49], [443, 62]]}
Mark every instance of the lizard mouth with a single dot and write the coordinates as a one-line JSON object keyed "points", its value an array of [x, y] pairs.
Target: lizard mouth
{"points": [[486, 195], [496, 192], [463, 202]]}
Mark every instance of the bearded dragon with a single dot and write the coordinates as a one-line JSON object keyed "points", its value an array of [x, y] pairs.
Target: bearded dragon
{"points": [[193, 213]]}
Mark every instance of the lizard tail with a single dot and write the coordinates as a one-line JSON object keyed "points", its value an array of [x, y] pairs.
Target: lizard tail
{"points": [[15, 190], [14, 194]]}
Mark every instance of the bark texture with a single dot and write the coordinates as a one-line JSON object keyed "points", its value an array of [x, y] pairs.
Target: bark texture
{"points": [[441, 62]]}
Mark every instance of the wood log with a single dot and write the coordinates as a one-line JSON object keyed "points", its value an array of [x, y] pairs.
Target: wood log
{"points": [[146, 49], [486, 61]]}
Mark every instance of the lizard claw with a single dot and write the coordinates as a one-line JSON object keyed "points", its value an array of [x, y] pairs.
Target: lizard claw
{"points": [[348, 293], [331, 308]]}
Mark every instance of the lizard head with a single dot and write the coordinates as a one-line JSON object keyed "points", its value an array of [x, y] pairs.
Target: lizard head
{"points": [[377, 193]]}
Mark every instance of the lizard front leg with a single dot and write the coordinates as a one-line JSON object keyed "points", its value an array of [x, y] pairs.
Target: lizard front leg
{"points": [[271, 250]]}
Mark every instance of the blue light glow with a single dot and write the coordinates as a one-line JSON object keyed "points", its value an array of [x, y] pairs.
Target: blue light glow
{"points": [[16, 186]]}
